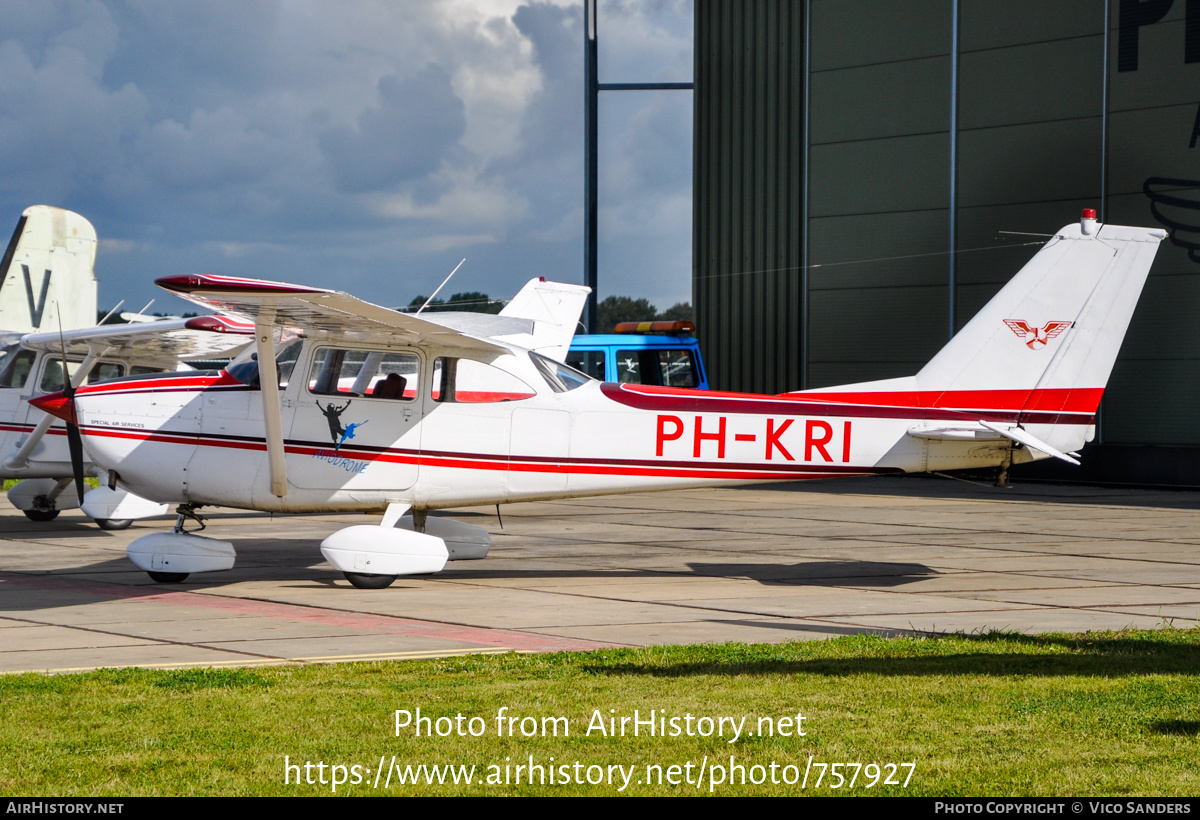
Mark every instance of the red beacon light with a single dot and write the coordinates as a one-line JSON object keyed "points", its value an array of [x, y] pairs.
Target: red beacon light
{"points": [[1087, 221], [674, 328]]}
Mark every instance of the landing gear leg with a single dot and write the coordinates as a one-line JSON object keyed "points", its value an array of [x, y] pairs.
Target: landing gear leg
{"points": [[1002, 476], [185, 511], [182, 513]]}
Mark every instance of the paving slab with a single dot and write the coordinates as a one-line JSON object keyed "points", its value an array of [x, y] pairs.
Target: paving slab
{"points": [[802, 561]]}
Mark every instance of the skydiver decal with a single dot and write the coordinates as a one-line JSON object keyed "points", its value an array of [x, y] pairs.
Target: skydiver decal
{"points": [[333, 415], [349, 433]]}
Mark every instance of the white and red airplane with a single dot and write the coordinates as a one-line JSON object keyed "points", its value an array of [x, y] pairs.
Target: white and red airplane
{"points": [[351, 406]]}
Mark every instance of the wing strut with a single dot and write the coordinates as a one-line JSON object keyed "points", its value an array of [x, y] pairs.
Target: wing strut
{"points": [[268, 379]]}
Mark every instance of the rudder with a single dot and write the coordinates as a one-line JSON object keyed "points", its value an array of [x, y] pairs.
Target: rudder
{"points": [[46, 274]]}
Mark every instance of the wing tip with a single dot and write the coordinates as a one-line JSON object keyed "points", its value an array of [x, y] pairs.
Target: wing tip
{"points": [[214, 283]]}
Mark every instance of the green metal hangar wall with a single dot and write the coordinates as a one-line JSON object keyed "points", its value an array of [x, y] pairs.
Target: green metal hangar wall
{"points": [[909, 135]]}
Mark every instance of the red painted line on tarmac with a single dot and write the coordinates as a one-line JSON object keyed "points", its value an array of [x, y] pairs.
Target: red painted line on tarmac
{"points": [[384, 624]]}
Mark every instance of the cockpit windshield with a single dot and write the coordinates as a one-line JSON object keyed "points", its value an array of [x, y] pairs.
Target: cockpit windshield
{"points": [[561, 378], [245, 367]]}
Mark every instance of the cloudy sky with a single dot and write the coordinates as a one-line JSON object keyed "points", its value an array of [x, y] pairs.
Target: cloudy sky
{"points": [[366, 145]]}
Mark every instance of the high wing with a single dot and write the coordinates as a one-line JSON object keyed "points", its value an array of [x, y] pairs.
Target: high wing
{"points": [[200, 337], [308, 310]]}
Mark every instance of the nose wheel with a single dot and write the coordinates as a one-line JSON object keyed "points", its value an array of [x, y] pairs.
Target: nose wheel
{"points": [[41, 516], [113, 523], [362, 580], [168, 577]]}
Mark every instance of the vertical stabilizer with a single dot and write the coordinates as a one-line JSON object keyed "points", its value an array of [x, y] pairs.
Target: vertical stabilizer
{"points": [[1054, 331], [555, 308], [46, 272]]}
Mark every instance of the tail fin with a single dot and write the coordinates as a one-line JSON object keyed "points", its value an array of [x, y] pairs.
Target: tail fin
{"points": [[1032, 365], [554, 308], [46, 273], [1054, 330]]}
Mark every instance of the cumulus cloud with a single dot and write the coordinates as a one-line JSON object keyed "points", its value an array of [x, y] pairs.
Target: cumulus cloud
{"points": [[419, 120], [373, 139]]}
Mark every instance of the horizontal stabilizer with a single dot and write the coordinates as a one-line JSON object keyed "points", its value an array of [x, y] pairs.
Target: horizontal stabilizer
{"points": [[1029, 440]]}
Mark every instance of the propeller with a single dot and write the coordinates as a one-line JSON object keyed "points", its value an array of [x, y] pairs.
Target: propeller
{"points": [[74, 439]]}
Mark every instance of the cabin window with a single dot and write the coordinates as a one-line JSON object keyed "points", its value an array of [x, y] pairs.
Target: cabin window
{"points": [[52, 375], [466, 381], [103, 371], [370, 373], [16, 368]]}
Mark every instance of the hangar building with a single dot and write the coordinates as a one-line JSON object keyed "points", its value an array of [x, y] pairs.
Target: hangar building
{"points": [[864, 170]]}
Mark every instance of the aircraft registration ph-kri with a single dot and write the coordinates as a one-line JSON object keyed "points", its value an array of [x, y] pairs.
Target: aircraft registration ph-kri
{"points": [[351, 406]]}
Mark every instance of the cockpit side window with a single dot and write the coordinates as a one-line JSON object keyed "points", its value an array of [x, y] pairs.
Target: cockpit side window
{"points": [[103, 371], [466, 381], [52, 374], [16, 368], [368, 373], [245, 367]]}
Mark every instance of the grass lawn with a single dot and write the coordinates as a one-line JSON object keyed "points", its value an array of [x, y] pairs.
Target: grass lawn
{"points": [[1001, 714]]}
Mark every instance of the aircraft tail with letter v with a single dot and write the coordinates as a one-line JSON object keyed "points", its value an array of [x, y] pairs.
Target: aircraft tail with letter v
{"points": [[46, 277]]}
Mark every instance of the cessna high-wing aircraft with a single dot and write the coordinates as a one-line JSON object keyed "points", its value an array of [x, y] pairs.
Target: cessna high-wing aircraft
{"points": [[351, 406]]}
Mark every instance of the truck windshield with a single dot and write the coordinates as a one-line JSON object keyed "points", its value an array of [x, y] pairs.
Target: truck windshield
{"points": [[670, 368]]}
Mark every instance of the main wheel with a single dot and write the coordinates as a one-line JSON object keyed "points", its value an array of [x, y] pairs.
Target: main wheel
{"points": [[41, 515], [168, 577], [364, 581], [113, 523]]}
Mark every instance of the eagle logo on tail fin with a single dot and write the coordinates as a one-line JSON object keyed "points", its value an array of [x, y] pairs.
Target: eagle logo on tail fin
{"points": [[1037, 336]]}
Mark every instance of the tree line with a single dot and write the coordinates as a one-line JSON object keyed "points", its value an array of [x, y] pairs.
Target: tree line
{"points": [[611, 310]]}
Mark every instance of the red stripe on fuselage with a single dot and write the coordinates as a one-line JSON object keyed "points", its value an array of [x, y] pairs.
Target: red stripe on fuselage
{"points": [[534, 464], [1052, 406]]}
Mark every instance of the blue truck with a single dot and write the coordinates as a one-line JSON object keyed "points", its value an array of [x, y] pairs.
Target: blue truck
{"points": [[659, 353]]}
